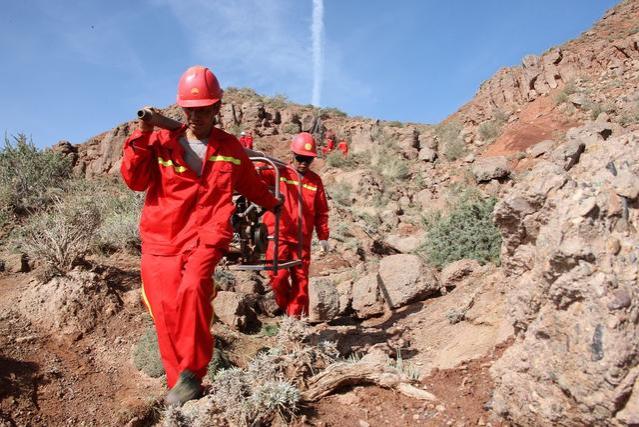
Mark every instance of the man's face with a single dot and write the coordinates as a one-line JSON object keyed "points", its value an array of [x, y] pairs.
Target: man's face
{"points": [[200, 119], [302, 163]]}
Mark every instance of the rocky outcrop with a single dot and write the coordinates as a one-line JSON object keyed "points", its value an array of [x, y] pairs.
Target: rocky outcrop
{"points": [[570, 250], [592, 53]]}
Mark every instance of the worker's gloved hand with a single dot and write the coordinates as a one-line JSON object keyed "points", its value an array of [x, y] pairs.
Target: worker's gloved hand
{"points": [[325, 246]]}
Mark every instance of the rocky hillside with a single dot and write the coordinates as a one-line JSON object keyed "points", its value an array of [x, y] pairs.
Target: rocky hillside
{"points": [[419, 268]]}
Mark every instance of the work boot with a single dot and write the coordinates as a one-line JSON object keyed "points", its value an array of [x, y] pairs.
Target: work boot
{"points": [[188, 387]]}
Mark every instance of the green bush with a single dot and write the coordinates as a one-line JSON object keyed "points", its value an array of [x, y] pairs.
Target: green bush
{"points": [[28, 175], [467, 232]]}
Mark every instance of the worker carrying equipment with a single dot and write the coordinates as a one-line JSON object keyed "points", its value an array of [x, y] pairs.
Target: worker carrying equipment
{"points": [[302, 188], [189, 175], [246, 139]]}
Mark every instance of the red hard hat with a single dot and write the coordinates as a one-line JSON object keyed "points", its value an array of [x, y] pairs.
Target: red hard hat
{"points": [[198, 87], [304, 145]]}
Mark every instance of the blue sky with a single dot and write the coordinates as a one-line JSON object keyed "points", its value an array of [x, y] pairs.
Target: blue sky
{"points": [[75, 68]]}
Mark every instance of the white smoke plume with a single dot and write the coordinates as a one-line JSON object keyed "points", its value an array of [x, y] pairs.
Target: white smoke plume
{"points": [[317, 30]]}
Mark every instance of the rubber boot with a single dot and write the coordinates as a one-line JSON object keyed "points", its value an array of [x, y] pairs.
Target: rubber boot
{"points": [[188, 387]]}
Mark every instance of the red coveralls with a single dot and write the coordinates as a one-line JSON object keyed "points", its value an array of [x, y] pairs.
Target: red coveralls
{"points": [[185, 229], [330, 146], [292, 297], [247, 141], [343, 147]]}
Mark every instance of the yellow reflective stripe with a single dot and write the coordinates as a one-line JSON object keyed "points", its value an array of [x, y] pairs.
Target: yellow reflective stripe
{"points": [[168, 163], [146, 301], [225, 159], [289, 181]]}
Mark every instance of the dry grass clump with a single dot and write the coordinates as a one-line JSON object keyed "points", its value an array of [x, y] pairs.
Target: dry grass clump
{"points": [[61, 236], [266, 389]]}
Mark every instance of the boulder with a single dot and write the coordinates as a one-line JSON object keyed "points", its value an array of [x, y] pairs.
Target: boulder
{"points": [[405, 244], [404, 279], [367, 301], [324, 300], [488, 168], [457, 271], [626, 184], [541, 148], [235, 310], [427, 154], [567, 154]]}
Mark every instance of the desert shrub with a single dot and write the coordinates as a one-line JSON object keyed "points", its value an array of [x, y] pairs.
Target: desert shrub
{"points": [[269, 385], [224, 279], [291, 128], [61, 235], [333, 112], [28, 175], [146, 355], [395, 124], [242, 94], [119, 229], [450, 140], [630, 117], [567, 90], [351, 161], [394, 167], [466, 232], [277, 102], [341, 193], [489, 130], [596, 108]]}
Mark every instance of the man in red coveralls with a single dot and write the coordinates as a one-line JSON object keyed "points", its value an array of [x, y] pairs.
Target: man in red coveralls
{"points": [[343, 147], [189, 176], [246, 139], [292, 295], [329, 147]]}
